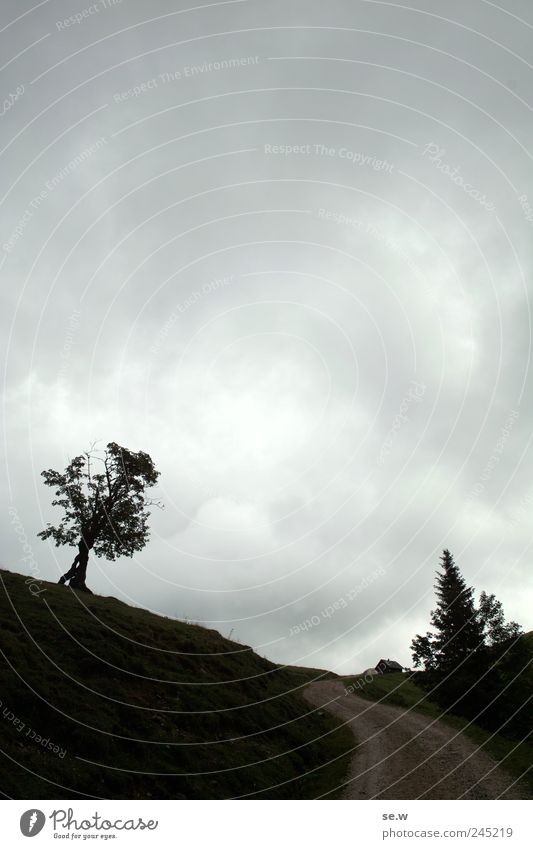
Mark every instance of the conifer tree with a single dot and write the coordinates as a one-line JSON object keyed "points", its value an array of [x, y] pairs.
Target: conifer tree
{"points": [[458, 631], [455, 619]]}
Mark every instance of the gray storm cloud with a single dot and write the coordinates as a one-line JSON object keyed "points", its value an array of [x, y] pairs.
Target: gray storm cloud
{"points": [[286, 249]]}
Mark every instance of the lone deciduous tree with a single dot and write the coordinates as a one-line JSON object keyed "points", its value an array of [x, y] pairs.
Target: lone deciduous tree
{"points": [[105, 506]]}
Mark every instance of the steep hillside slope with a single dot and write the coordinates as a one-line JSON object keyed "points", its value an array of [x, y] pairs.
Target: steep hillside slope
{"points": [[99, 699]]}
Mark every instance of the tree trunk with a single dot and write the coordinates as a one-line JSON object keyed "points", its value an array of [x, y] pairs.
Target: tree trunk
{"points": [[77, 572]]}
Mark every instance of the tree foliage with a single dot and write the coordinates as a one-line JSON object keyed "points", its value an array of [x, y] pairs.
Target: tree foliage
{"points": [[423, 651], [492, 618]]}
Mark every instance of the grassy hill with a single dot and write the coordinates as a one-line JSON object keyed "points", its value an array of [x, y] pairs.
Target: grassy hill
{"points": [[99, 699], [509, 742]]}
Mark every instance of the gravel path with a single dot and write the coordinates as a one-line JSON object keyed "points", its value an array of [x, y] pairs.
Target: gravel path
{"points": [[406, 755]]}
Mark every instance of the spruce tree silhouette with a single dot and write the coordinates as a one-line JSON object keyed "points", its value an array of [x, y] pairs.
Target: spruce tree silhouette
{"points": [[458, 627]]}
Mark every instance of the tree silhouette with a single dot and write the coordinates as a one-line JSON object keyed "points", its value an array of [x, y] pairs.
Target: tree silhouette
{"points": [[492, 618], [458, 629], [423, 651], [102, 494]]}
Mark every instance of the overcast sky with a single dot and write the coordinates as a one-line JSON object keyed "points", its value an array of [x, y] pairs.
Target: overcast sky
{"points": [[285, 248]]}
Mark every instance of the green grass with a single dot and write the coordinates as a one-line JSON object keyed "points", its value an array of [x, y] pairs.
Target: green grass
{"points": [[399, 689], [148, 707]]}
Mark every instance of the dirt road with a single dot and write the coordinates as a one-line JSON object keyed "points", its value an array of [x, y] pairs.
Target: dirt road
{"points": [[406, 755]]}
